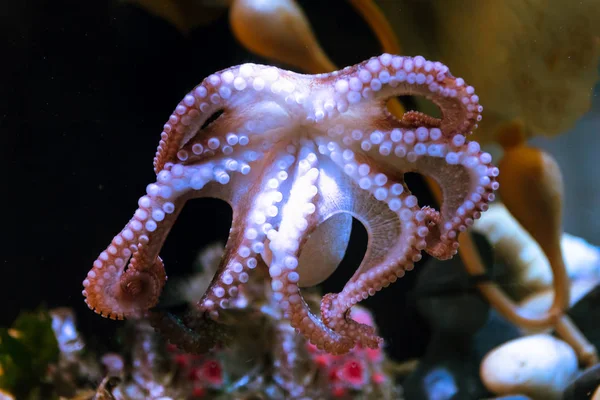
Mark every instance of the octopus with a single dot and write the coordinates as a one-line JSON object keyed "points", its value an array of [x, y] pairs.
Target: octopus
{"points": [[297, 157]]}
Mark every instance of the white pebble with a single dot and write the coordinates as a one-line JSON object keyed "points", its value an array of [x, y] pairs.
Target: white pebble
{"points": [[539, 366]]}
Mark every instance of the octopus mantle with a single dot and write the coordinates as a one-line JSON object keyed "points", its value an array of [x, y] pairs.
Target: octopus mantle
{"points": [[295, 156]]}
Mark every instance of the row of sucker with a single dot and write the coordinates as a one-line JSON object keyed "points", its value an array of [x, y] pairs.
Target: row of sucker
{"points": [[110, 287], [217, 92], [413, 145], [256, 228], [402, 75], [285, 246], [414, 230]]}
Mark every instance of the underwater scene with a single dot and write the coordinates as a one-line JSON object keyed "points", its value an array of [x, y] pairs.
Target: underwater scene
{"points": [[300, 199]]}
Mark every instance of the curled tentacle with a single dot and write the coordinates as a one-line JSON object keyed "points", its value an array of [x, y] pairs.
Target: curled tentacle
{"points": [[419, 143], [128, 277], [297, 220], [255, 213], [395, 226]]}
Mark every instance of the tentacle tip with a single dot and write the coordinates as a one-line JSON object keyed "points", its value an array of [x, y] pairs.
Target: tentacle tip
{"points": [[372, 341], [140, 290], [379, 343]]}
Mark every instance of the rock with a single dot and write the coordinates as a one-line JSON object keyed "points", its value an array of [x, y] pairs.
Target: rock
{"points": [[447, 371], [447, 298], [526, 268], [496, 331], [538, 366], [5, 396], [538, 303], [582, 387], [582, 259]]}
